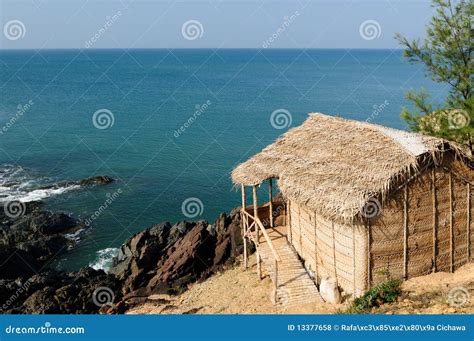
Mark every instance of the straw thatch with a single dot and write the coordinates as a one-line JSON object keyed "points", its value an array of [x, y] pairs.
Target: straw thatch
{"points": [[334, 166]]}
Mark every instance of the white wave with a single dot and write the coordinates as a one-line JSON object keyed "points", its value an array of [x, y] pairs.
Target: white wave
{"points": [[75, 236], [34, 195], [104, 259]]}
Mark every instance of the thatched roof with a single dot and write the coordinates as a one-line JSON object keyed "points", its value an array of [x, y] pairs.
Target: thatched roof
{"points": [[335, 166]]}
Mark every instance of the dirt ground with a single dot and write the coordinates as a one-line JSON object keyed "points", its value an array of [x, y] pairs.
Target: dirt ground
{"points": [[236, 291]]}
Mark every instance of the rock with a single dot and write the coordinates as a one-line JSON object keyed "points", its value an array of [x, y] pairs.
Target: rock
{"points": [[329, 290], [54, 292], [93, 181], [31, 240]]}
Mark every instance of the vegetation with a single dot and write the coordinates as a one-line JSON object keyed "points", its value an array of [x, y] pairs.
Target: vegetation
{"points": [[447, 56], [385, 292]]}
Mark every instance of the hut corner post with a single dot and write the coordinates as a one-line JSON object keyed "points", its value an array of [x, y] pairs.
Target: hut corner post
{"points": [[270, 200], [257, 232], [244, 227]]}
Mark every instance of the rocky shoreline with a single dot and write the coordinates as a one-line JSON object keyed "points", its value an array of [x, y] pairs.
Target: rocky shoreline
{"points": [[164, 258]]}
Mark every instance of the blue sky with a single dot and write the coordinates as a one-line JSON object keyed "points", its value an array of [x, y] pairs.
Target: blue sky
{"points": [[216, 23]]}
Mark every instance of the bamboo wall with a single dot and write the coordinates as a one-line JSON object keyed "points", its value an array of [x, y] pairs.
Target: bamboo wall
{"points": [[438, 236], [330, 249], [423, 227]]}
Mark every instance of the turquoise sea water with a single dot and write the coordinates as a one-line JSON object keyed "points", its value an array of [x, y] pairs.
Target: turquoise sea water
{"points": [[182, 119]]}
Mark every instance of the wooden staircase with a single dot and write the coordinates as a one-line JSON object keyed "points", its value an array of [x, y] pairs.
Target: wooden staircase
{"points": [[294, 286]]}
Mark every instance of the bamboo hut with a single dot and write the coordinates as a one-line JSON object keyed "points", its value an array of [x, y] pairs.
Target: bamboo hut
{"points": [[363, 202]]}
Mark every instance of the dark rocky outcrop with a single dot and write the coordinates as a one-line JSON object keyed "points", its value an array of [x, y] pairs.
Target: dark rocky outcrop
{"points": [[28, 242], [53, 292], [166, 258], [93, 181]]}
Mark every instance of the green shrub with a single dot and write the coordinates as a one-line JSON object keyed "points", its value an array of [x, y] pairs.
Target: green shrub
{"points": [[385, 292]]}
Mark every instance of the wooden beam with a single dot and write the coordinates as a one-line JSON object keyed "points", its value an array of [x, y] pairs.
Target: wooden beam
{"points": [[334, 251], [451, 231], [257, 233], [242, 189], [289, 228], [435, 218], [405, 232], [300, 230], [270, 199], [353, 262], [468, 224], [369, 256], [315, 249]]}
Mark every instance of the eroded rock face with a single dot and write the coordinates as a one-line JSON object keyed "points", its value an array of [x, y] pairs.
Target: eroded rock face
{"points": [[166, 258], [53, 292]]}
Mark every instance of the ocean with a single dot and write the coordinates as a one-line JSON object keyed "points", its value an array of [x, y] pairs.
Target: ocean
{"points": [[170, 125]]}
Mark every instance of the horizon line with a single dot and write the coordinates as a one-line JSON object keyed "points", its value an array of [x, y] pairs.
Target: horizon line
{"points": [[199, 48]]}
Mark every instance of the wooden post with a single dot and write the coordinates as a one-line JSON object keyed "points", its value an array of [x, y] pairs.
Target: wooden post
{"points": [[270, 199], [334, 251], [300, 230], [451, 231], [468, 224], [369, 256], [275, 280], [353, 262], [289, 234], [257, 232], [405, 232], [315, 249], [242, 188], [435, 217]]}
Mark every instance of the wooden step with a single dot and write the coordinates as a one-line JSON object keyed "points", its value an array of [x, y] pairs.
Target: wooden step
{"points": [[295, 287]]}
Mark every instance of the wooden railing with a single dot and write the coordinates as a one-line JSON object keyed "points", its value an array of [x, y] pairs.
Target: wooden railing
{"points": [[252, 231]]}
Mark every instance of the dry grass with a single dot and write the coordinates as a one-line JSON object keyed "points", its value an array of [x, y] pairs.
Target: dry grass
{"points": [[334, 165]]}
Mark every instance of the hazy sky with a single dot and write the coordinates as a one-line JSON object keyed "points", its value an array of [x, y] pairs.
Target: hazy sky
{"points": [[215, 23]]}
